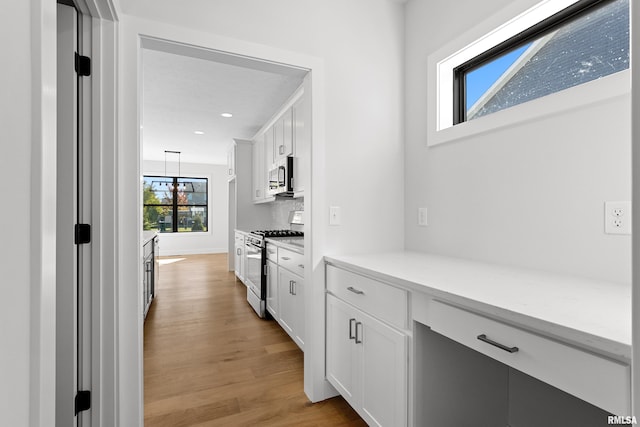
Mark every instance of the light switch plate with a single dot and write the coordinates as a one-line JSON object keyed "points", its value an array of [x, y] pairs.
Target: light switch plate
{"points": [[422, 217], [617, 217], [335, 215]]}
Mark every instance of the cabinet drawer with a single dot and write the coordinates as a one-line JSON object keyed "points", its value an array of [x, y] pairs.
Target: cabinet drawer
{"points": [[292, 261], [600, 381], [378, 299], [272, 252]]}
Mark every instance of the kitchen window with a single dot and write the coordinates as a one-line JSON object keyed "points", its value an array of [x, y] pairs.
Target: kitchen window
{"points": [[175, 205], [581, 43], [525, 64]]}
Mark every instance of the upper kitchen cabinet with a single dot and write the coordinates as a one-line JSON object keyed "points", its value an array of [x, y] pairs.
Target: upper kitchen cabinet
{"points": [[301, 131], [284, 135], [269, 153], [231, 162]]}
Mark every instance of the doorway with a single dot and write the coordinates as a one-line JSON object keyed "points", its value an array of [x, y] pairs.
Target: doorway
{"points": [[73, 218], [251, 90]]}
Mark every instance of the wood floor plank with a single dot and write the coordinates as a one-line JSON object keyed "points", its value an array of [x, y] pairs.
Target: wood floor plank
{"points": [[210, 361]]}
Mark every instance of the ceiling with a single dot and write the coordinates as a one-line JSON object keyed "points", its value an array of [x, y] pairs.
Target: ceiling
{"points": [[185, 90]]}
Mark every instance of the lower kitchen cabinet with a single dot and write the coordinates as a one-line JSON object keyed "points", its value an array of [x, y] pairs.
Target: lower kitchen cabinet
{"points": [[272, 288], [239, 260], [150, 273], [367, 363], [291, 305]]}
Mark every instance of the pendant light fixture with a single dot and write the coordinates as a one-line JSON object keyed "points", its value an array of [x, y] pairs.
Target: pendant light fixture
{"points": [[170, 186]]}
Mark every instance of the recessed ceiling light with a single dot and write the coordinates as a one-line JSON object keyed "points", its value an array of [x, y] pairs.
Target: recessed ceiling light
{"points": [[198, 132], [227, 115]]}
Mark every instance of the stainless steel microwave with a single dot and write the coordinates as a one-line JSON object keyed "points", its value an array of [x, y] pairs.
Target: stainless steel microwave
{"points": [[281, 177]]}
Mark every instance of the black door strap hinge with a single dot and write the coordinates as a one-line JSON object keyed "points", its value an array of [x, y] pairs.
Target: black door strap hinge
{"points": [[82, 234], [83, 65], [83, 401]]}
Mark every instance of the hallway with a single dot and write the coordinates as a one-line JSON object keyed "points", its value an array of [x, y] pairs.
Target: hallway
{"points": [[210, 361]]}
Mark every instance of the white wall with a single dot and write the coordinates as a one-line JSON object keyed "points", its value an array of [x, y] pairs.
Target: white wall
{"points": [[15, 166], [361, 44], [214, 240], [27, 255], [528, 195]]}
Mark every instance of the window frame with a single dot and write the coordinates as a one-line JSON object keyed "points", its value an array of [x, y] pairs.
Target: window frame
{"points": [[546, 26], [175, 205], [504, 24]]}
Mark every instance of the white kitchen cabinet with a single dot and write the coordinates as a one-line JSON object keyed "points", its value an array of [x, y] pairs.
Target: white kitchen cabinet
{"points": [[283, 135], [259, 174], [231, 162], [272, 288], [301, 131], [291, 305], [268, 150], [367, 363], [239, 260]]}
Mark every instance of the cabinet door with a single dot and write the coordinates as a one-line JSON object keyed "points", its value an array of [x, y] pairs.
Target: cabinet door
{"points": [[287, 301], [268, 149], [384, 373], [287, 133], [278, 139], [231, 162], [272, 288], [257, 170], [341, 349], [299, 311], [302, 143]]}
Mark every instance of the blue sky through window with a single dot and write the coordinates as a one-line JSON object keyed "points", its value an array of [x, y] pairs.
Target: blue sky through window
{"points": [[481, 79]]}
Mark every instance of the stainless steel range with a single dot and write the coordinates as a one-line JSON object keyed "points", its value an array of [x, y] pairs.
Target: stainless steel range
{"points": [[256, 261]]}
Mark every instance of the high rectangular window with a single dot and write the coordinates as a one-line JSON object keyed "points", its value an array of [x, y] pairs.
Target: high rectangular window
{"points": [[584, 42], [175, 205]]}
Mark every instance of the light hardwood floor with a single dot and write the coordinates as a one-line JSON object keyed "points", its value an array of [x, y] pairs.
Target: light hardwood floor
{"points": [[210, 361]]}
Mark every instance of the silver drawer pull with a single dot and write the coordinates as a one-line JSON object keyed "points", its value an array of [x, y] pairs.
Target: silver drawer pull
{"points": [[286, 258], [355, 291], [301, 265], [484, 338]]}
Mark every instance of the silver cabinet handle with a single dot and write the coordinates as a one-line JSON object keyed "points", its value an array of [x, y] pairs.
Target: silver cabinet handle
{"points": [[281, 149], [286, 258], [483, 337], [358, 341], [301, 265], [293, 283], [351, 336], [355, 291], [238, 251], [290, 287]]}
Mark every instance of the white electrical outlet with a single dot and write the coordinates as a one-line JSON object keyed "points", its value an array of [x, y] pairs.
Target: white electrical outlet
{"points": [[617, 217], [422, 217], [335, 216]]}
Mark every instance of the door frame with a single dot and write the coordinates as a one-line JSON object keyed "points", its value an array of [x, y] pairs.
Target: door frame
{"points": [[104, 125], [134, 33]]}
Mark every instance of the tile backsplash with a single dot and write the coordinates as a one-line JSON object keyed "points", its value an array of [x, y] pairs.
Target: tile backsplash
{"points": [[280, 209]]}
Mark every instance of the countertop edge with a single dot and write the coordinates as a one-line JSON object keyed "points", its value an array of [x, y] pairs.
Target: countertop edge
{"points": [[602, 345]]}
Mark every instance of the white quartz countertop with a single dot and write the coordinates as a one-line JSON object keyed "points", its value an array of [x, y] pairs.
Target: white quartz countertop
{"points": [[591, 313], [295, 244]]}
